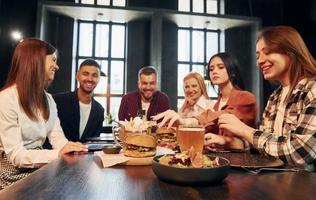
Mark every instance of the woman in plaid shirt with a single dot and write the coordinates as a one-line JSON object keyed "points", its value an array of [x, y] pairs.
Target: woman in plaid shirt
{"points": [[288, 129]]}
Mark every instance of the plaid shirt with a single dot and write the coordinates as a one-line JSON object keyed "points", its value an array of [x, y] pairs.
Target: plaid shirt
{"points": [[297, 144]]}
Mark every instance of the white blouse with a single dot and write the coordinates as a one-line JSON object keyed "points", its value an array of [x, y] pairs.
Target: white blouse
{"points": [[21, 138], [200, 106]]}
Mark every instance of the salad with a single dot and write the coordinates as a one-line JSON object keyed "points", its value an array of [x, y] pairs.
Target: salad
{"points": [[189, 159]]}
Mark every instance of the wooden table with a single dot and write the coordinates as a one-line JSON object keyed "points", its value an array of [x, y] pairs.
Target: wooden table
{"points": [[82, 177]]}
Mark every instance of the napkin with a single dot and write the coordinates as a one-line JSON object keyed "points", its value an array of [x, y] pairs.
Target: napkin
{"points": [[163, 150], [109, 160]]}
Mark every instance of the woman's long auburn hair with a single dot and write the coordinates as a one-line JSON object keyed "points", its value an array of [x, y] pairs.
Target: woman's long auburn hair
{"points": [[28, 73], [286, 40], [200, 81]]}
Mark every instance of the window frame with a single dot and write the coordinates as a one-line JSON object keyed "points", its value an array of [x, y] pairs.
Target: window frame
{"points": [[107, 95], [205, 62]]}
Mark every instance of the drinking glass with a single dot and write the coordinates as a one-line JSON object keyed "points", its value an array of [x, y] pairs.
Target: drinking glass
{"points": [[191, 136]]}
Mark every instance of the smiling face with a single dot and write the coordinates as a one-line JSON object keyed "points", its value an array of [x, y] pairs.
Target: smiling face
{"points": [[274, 66], [147, 85], [88, 77], [218, 72], [192, 89], [50, 66]]}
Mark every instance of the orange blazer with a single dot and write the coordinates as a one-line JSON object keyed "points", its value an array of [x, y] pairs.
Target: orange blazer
{"points": [[240, 103]]}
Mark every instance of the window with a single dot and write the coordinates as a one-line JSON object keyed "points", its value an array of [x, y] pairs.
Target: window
{"points": [[198, 6], [194, 51], [195, 45], [105, 43]]}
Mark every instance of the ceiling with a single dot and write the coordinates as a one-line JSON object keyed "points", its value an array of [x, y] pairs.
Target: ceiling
{"points": [[123, 14]]}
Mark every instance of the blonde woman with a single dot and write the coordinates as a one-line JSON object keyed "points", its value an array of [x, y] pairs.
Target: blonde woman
{"points": [[196, 97]]}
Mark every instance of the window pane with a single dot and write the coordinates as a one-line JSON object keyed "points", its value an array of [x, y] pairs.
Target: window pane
{"points": [[180, 103], [87, 1], [199, 69], [101, 87], [211, 44], [211, 91], [102, 101], [79, 62], [183, 45], [117, 77], [183, 70], [197, 46], [119, 2], [102, 40], [114, 106], [198, 6], [85, 39], [211, 6], [103, 83], [118, 41], [103, 2], [184, 5], [104, 66]]}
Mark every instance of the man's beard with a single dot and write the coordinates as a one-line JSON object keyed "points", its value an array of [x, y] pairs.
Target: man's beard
{"points": [[142, 93], [87, 91]]}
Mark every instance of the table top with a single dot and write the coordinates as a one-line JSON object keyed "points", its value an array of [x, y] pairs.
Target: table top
{"points": [[82, 177]]}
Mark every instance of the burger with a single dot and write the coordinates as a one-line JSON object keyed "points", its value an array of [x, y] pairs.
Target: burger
{"points": [[139, 146], [166, 137]]}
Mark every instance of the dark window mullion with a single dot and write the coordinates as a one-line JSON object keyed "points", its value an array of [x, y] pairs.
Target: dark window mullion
{"points": [[124, 61], [205, 52], [77, 49], [191, 45], [191, 5], [218, 41], [93, 39], [204, 2], [109, 67], [218, 7]]}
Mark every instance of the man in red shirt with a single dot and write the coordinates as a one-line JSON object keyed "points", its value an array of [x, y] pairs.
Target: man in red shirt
{"points": [[147, 100]]}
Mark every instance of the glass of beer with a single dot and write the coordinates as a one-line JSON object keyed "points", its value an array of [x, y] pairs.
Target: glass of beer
{"points": [[191, 136]]}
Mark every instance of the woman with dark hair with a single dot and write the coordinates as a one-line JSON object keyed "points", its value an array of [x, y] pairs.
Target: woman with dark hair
{"points": [[28, 113], [288, 128], [232, 67], [224, 73]]}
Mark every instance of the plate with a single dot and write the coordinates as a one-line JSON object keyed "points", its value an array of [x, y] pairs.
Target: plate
{"points": [[214, 150], [107, 138], [96, 146], [248, 160], [139, 161], [191, 175]]}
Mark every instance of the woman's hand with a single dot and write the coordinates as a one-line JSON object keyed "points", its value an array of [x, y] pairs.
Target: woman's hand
{"points": [[222, 142], [189, 102], [211, 139], [169, 116], [232, 124], [73, 147]]}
